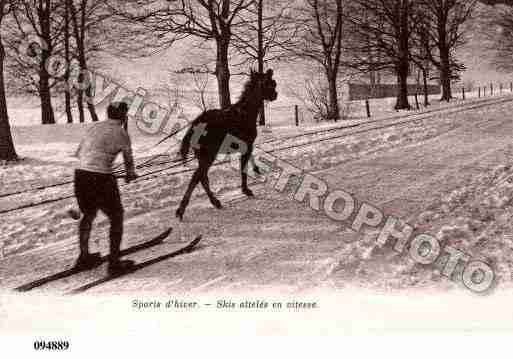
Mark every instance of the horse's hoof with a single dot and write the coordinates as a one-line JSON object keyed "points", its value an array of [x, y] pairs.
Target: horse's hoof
{"points": [[248, 192], [257, 170], [217, 204], [179, 214]]}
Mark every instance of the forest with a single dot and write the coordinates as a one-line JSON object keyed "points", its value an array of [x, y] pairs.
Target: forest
{"points": [[50, 49]]}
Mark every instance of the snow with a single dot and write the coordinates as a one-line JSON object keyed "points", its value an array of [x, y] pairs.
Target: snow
{"points": [[476, 217], [448, 176]]}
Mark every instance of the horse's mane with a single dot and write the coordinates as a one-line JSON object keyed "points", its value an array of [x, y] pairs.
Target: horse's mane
{"points": [[246, 91]]}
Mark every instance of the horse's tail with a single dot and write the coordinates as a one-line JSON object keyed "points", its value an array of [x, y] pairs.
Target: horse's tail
{"points": [[186, 144]]}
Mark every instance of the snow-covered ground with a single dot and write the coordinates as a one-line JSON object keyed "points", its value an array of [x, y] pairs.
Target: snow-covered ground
{"points": [[445, 175], [50, 148]]}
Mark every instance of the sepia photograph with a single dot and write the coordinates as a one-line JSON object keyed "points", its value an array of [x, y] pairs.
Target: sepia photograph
{"points": [[256, 168]]}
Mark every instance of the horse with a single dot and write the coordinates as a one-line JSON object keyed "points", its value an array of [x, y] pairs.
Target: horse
{"points": [[228, 130]]}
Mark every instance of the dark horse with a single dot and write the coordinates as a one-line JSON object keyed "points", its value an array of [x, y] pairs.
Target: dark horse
{"points": [[218, 131]]}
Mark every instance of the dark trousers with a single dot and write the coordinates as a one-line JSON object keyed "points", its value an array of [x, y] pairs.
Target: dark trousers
{"points": [[98, 191]]}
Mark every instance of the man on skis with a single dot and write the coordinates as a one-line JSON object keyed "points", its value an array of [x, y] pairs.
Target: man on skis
{"points": [[96, 186]]}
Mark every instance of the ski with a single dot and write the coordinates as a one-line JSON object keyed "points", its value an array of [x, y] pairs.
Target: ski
{"points": [[72, 271], [138, 266]]}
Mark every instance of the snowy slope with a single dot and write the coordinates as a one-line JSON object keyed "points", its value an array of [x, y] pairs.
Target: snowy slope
{"points": [[275, 243]]}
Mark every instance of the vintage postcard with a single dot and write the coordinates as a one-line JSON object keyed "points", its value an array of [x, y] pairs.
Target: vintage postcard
{"points": [[254, 168]]}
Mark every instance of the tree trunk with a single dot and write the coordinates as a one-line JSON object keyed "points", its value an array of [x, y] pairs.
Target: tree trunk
{"points": [[80, 105], [445, 69], [333, 110], [67, 100], [402, 81], [47, 115], [90, 105], [7, 151], [403, 61], [261, 53], [80, 33], [89, 90], [223, 74], [67, 94], [425, 83], [402, 93], [445, 76]]}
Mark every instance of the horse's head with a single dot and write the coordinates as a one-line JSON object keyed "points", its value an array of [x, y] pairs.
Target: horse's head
{"points": [[265, 84]]}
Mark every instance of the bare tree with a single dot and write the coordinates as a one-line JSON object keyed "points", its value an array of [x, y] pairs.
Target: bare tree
{"points": [[87, 18], [421, 57], [173, 93], [39, 17], [320, 40], [446, 32], [201, 98], [267, 29], [316, 101], [204, 20], [386, 26], [7, 150]]}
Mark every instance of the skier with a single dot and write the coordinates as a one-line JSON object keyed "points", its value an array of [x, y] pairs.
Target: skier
{"points": [[96, 187]]}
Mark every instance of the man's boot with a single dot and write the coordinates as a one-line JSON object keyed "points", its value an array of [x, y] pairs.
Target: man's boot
{"points": [[116, 265], [86, 260]]}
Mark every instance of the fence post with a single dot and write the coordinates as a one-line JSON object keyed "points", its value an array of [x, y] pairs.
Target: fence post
{"points": [[491, 89], [296, 114], [463, 92], [367, 108], [500, 88], [511, 86], [479, 92], [417, 101]]}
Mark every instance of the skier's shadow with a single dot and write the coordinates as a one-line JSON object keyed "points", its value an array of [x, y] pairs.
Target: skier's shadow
{"points": [[188, 249]]}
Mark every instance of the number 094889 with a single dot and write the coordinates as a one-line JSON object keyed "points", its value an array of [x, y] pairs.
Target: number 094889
{"points": [[51, 345]]}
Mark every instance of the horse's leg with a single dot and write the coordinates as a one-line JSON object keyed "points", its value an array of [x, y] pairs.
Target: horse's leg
{"points": [[244, 159], [187, 196], [205, 182], [255, 167]]}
